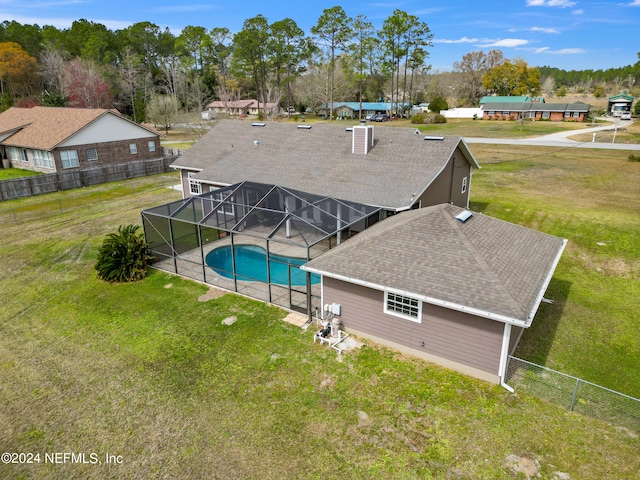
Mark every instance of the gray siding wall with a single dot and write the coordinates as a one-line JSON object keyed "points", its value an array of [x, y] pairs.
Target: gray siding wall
{"points": [[447, 187], [447, 334]]}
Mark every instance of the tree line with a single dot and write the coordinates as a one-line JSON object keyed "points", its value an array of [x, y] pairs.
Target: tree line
{"points": [[89, 65], [146, 71]]}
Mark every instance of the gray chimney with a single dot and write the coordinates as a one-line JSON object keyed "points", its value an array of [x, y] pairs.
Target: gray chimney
{"points": [[362, 140]]}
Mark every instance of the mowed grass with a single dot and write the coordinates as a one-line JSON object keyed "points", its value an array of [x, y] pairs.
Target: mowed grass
{"points": [[13, 173], [591, 198], [149, 372]]}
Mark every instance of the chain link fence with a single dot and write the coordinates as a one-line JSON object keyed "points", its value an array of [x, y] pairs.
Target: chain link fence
{"points": [[574, 393]]}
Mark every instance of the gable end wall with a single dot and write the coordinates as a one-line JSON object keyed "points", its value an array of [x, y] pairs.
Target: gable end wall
{"points": [[447, 186]]}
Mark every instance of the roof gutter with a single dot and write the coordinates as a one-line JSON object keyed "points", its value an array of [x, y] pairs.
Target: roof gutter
{"points": [[431, 300]]}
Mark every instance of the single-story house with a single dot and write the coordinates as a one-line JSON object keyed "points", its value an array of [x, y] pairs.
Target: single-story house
{"points": [[554, 112], [378, 222], [344, 110], [452, 286], [53, 139], [618, 104], [297, 191], [240, 107]]}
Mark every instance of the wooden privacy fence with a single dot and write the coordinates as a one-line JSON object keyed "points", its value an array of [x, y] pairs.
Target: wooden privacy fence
{"points": [[55, 182]]}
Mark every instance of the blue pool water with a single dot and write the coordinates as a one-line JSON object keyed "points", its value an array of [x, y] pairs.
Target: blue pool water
{"points": [[251, 265]]}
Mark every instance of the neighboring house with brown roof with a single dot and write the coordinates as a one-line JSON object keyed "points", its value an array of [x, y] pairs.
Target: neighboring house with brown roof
{"points": [[53, 139], [454, 287], [241, 107]]}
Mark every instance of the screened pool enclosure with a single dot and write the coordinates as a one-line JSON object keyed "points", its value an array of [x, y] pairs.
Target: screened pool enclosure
{"points": [[251, 238]]}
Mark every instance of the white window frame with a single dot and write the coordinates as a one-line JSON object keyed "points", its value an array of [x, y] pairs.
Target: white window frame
{"points": [[18, 154], [69, 158], [90, 157], [464, 185], [133, 148], [195, 187], [219, 197], [152, 146], [397, 305], [546, 115], [42, 158]]}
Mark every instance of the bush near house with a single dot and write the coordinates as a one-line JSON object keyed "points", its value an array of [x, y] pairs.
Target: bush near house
{"points": [[428, 119], [123, 256]]}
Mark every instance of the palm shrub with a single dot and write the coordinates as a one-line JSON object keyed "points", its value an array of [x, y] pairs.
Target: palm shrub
{"points": [[123, 256]]}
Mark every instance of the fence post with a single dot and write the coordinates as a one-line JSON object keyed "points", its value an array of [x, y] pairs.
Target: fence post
{"points": [[575, 393]]}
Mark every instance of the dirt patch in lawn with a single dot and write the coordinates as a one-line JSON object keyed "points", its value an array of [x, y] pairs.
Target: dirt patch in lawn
{"points": [[212, 294]]}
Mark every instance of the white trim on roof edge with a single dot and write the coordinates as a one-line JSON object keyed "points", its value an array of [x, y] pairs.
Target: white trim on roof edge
{"points": [[546, 282], [433, 301]]}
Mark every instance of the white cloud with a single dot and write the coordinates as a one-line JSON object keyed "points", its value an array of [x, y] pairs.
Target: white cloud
{"points": [[551, 3], [505, 42], [460, 40], [544, 30], [562, 51], [635, 3], [578, 12], [60, 22]]}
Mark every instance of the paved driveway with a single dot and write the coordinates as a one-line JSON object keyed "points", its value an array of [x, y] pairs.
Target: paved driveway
{"points": [[561, 139]]}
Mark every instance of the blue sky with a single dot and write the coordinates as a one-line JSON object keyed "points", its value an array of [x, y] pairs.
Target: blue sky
{"points": [[568, 34]]}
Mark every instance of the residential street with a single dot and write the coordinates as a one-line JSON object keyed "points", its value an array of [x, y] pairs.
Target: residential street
{"points": [[561, 139]]}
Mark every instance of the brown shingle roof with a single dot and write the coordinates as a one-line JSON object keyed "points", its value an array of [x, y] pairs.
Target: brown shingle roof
{"points": [[484, 264], [240, 104], [44, 128], [318, 160]]}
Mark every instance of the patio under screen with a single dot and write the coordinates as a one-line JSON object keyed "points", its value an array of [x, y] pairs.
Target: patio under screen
{"points": [[251, 265]]}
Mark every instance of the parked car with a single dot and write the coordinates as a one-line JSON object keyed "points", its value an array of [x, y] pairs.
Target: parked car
{"points": [[370, 117], [625, 116], [381, 117]]}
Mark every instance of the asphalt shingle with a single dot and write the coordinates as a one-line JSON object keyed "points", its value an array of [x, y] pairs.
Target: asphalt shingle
{"points": [[484, 263], [318, 160]]}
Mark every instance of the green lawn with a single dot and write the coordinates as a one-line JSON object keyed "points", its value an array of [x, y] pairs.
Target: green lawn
{"points": [[149, 372], [476, 128], [11, 173], [591, 198]]}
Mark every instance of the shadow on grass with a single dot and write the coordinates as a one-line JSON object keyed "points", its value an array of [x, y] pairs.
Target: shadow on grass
{"points": [[536, 341], [479, 207]]}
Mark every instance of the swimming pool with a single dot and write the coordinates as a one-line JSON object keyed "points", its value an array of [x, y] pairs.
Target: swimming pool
{"points": [[251, 265]]}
